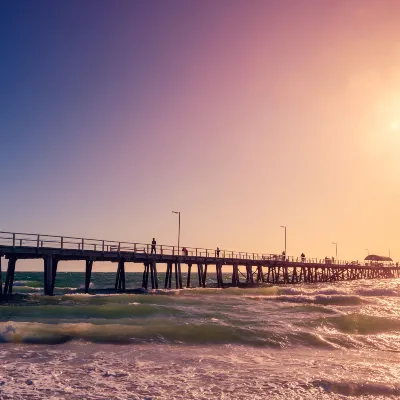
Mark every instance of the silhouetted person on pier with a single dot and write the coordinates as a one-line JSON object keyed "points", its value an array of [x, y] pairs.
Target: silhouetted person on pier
{"points": [[283, 255], [185, 251], [217, 252], [303, 257], [153, 246]]}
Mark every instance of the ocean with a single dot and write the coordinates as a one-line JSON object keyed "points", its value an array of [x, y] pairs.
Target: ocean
{"points": [[305, 341]]}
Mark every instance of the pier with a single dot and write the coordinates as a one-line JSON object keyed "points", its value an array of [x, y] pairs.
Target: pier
{"points": [[258, 268]]}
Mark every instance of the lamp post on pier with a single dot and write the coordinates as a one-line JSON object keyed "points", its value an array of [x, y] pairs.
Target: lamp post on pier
{"points": [[336, 248], [179, 227], [284, 227]]}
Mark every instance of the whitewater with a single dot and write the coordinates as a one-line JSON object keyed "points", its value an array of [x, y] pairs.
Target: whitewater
{"points": [[309, 341]]}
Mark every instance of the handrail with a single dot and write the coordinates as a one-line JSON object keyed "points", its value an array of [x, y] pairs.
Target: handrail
{"points": [[18, 239]]}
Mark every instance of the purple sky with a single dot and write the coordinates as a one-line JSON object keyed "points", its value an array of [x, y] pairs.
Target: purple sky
{"points": [[243, 115]]}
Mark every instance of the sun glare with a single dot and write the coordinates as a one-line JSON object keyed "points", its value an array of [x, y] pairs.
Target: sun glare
{"points": [[395, 126]]}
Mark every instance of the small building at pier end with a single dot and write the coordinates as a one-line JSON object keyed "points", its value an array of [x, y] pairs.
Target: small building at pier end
{"points": [[378, 261]]}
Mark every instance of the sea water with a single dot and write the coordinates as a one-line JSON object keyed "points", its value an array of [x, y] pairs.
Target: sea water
{"points": [[309, 341]]}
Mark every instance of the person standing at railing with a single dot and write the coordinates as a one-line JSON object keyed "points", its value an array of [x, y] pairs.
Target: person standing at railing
{"points": [[303, 257], [217, 252], [153, 246]]}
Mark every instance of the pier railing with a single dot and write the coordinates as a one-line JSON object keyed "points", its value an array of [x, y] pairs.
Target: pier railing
{"points": [[18, 239]]}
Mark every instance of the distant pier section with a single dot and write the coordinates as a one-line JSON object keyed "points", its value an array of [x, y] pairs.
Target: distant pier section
{"points": [[245, 269]]}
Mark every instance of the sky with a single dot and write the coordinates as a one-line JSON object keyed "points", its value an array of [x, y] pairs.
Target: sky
{"points": [[243, 115]]}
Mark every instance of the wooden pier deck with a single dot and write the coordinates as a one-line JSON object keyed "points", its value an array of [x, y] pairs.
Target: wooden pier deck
{"points": [[259, 268]]}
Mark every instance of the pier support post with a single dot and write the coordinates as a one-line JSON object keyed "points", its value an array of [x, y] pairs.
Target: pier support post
{"points": [[89, 265], [117, 278], [294, 274], [188, 276], [220, 282], [235, 274], [260, 275], [249, 275], [1, 278], [176, 276], [8, 284], [54, 274], [277, 273], [168, 276], [154, 274], [200, 274], [120, 280], [8, 276], [204, 275], [269, 273], [48, 275], [180, 275], [145, 276]]}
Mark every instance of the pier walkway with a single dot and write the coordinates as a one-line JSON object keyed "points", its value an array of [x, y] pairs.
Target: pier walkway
{"points": [[258, 268]]}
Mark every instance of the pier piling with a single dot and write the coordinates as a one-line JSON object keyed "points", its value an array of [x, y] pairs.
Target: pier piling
{"points": [[188, 275], [168, 276], [8, 284], [204, 278], [89, 265], [1, 278], [48, 275], [200, 274], [54, 274], [145, 276], [176, 276], [154, 276], [120, 279]]}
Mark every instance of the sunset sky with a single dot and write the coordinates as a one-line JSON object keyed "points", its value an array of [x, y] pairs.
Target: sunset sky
{"points": [[243, 115]]}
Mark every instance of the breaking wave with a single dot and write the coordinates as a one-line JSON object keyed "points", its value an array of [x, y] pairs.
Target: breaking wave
{"points": [[361, 324]]}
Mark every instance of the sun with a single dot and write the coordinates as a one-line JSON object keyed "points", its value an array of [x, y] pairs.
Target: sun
{"points": [[395, 126]]}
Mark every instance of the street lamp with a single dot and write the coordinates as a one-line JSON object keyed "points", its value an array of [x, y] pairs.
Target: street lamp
{"points": [[367, 251], [336, 248], [179, 227], [284, 227]]}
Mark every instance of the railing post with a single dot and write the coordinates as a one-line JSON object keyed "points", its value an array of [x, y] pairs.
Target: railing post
{"points": [[119, 247], [38, 240], [102, 246], [13, 239], [196, 252], [83, 244], [62, 242], [20, 242], [134, 247], [161, 250]]}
